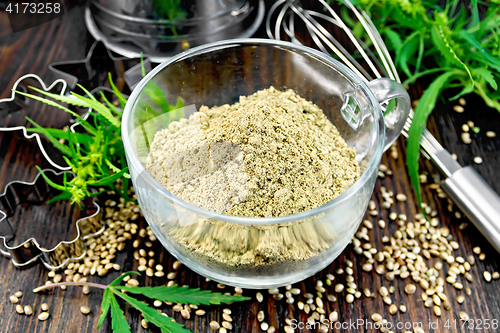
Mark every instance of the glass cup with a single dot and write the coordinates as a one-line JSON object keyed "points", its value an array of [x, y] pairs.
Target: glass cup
{"points": [[261, 252]]}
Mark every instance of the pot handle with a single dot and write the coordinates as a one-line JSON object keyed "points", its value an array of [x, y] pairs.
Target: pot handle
{"points": [[395, 104]]}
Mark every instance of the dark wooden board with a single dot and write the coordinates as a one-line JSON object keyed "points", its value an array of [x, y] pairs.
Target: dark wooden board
{"points": [[65, 38]]}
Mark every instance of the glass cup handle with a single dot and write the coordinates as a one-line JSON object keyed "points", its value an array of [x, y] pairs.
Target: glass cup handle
{"points": [[395, 104]]}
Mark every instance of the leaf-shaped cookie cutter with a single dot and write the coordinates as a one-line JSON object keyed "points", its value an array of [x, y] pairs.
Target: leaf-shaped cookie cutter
{"points": [[29, 251], [23, 128]]}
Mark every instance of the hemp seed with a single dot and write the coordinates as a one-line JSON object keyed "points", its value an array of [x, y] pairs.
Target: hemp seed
{"points": [[43, 316], [28, 310], [85, 310]]}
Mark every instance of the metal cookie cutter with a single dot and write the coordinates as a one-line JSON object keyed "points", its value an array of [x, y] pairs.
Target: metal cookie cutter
{"points": [[8, 102], [92, 71], [15, 102], [17, 193]]}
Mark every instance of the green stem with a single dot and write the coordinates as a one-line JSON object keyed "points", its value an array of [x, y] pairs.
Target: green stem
{"points": [[81, 284], [490, 102], [413, 78]]}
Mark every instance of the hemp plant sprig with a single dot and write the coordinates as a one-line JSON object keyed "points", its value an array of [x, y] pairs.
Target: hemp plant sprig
{"points": [[96, 154], [174, 294]]}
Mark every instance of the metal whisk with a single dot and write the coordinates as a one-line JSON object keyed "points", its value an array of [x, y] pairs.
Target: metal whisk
{"points": [[462, 184]]}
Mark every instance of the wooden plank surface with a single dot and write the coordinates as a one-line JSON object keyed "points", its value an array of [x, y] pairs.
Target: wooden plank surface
{"points": [[65, 38]]}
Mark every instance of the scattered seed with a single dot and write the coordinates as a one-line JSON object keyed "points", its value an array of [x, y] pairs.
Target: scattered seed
{"points": [[401, 197], [13, 299], [259, 297], [85, 310], [495, 275], [458, 108], [176, 265], [487, 276], [339, 288], [478, 160], [273, 291], [86, 290], [157, 303], [349, 298], [185, 314], [436, 300], [482, 256], [464, 316], [144, 324], [383, 291], [402, 308], [19, 309], [376, 317], [381, 224], [278, 296], [437, 311], [410, 289], [214, 325], [491, 134], [466, 138], [367, 267], [45, 307], [442, 296], [476, 250], [28, 310], [334, 316], [222, 330], [227, 317], [133, 282], [450, 279], [460, 299], [331, 298], [227, 325], [18, 294], [393, 309], [264, 326], [200, 312], [43, 316]]}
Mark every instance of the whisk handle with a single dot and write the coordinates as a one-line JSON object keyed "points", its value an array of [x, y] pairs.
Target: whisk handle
{"points": [[477, 200], [395, 118]]}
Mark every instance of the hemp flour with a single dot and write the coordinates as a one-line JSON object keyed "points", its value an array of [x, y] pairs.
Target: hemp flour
{"points": [[271, 154]]}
